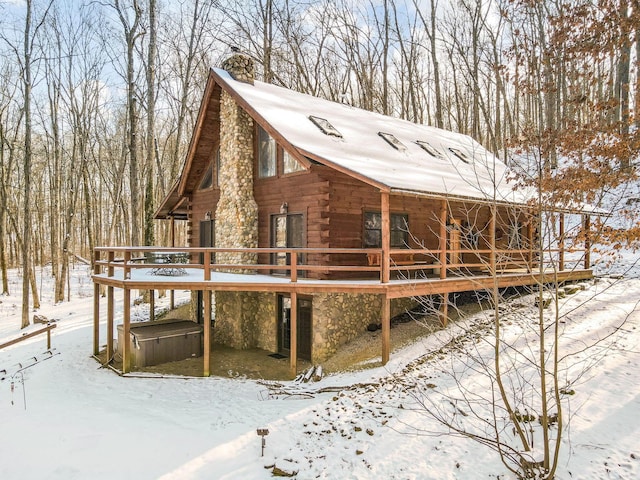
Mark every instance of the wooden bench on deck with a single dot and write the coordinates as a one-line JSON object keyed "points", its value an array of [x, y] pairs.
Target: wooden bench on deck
{"points": [[373, 259]]}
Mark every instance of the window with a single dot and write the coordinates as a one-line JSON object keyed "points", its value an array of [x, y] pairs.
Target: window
{"points": [[373, 230], [287, 231], [266, 154], [207, 179], [460, 154], [325, 126], [427, 147], [393, 141], [291, 165]]}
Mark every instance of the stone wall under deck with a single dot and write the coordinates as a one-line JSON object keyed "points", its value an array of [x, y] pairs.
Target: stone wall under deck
{"points": [[341, 317]]}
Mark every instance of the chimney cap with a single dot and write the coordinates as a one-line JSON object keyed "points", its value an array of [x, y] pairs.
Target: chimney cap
{"points": [[241, 67]]}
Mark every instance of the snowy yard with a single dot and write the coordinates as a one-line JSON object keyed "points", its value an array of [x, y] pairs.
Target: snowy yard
{"points": [[67, 418]]}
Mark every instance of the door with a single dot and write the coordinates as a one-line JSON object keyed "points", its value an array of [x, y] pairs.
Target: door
{"points": [[304, 326], [287, 231], [206, 240]]}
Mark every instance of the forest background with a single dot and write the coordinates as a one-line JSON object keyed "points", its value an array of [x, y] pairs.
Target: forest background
{"points": [[98, 98]]}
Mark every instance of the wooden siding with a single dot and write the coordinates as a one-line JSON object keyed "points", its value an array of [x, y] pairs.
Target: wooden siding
{"points": [[208, 139], [203, 201], [305, 193]]}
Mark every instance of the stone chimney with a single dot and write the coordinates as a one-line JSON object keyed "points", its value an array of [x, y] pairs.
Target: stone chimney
{"points": [[240, 67], [237, 212]]}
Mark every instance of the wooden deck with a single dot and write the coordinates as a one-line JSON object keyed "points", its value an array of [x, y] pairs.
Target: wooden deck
{"points": [[154, 268]]}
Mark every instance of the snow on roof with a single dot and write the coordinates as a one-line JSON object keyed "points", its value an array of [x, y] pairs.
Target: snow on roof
{"points": [[362, 150]]}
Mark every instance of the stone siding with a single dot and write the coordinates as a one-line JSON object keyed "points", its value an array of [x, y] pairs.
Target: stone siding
{"points": [[237, 211], [246, 320], [340, 317]]}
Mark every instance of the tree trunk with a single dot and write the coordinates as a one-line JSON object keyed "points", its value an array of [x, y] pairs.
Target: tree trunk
{"points": [[26, 166], [151, 105]]}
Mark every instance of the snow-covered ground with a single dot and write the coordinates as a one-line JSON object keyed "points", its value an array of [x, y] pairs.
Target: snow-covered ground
{"points": [[67, 418]]}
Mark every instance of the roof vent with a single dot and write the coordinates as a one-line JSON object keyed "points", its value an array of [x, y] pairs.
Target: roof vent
{"points": [[460, 154], [393, 141], [430, 149], [325, 126]]}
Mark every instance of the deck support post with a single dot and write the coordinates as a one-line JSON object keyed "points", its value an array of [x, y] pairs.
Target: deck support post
{"points": [[386, 236], [561, 243], [444, 310], [206, 367], [110, 310], [386, 328], [96, 307], [587, 242], [293, 343], [442, 241], [96, 318], [172, 297], [152, 305], [126, 342]]}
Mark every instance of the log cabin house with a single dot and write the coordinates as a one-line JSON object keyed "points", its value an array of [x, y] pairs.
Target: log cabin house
{"points": [[309, 220]]}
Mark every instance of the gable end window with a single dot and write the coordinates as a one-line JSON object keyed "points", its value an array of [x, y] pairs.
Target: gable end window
{"points": [[207, 179], [291, 165], [399, 237], [267, 160]]}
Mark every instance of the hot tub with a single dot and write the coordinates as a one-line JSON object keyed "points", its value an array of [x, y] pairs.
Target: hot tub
{"points": [[158, 342]]}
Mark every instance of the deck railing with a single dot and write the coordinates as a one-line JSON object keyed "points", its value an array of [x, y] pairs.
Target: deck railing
{"points": [[332, 263]]}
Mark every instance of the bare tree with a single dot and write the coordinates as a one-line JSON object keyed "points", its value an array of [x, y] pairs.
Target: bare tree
{"points": [[130, 19]]}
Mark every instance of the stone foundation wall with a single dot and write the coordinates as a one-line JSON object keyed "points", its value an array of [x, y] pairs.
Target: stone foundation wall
{"points": [[246, 320], [340, 317]]}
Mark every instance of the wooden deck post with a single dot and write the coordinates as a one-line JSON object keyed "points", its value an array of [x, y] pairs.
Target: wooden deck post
{"points": [[294, 267], [293, 336], [587, 242], [207, 265], [126, 267], [443, 239], [386, 329], [96, 308], [206, 368], [110, 310], [126, 342], [561, 243], [172, 297], [386, 237], [152, 305]]}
